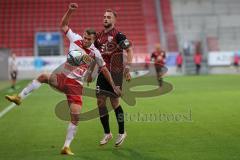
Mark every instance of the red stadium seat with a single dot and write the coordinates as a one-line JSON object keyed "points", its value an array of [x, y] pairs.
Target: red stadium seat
{"points": [[23, 18]]}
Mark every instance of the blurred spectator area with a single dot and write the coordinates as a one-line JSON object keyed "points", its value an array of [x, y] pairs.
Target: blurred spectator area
{"points": [[21, 19], [214, 23]]}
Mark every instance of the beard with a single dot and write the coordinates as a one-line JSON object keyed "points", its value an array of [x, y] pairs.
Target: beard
{"points": [[106, 26]]}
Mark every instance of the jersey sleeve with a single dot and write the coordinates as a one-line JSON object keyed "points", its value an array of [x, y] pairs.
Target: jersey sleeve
{"points": [[72, 36], [122, 41], [98, 58]]}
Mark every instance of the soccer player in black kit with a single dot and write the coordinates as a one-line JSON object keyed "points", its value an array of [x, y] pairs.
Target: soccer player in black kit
{"points": [[111, 43]]}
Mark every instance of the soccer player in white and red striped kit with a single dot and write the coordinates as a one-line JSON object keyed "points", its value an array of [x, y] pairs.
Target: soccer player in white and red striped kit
{"points": [[70, 79]]}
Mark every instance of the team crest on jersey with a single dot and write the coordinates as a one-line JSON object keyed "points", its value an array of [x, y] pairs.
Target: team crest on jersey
{"points": [[87, 59], [110, 38]]}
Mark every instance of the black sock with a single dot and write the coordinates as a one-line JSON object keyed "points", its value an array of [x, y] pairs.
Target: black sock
{"points": [[104, 117], [120, 119]]}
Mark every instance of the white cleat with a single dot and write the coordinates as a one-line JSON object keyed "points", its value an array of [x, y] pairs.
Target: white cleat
{"points": [[106, 139], [120, 139]]}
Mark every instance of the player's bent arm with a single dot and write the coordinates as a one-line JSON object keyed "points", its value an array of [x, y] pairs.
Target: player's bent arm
{"points": [[100, 62], [129, 55], [129, 61], [90, 71], [65, 20], [66, 17], [92, 67]]}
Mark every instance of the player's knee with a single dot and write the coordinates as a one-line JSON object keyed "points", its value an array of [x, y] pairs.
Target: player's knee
{"points": [[115, 103], [75, 122], [43, 78], [101, 102], [75, 118]]}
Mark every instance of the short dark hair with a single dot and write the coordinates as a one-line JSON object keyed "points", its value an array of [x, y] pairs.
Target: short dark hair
{"points": [[112, 11], [90, 31]]}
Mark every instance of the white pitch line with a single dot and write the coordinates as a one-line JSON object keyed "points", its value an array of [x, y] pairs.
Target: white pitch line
{"points": [[11, 106], [6, 110]]}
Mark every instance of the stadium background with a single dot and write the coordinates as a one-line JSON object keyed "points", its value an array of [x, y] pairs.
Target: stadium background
{"points": [[176, 24]]}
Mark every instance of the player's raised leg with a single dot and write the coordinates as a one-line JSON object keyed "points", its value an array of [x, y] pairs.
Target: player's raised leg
{"points": [[35, 84]]}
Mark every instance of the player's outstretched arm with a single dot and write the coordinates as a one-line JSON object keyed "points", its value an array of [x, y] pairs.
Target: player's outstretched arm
{"points": [[65, 19], [90, 71]]}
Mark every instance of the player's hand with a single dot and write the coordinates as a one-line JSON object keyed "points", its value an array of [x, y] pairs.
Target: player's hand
{"points": [[89, 80], [127, 74], [73, 6], [117, 90]]}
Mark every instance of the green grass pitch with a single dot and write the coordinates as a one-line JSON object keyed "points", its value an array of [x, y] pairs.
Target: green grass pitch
{"points": [[198, 120]]}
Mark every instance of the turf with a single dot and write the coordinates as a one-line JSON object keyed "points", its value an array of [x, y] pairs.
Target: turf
{"points": [[198, 120], [3, 84]]}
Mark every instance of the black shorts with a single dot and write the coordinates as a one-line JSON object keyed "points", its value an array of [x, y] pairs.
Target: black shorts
{"points": [[179, 66], [104, 88], [235, 64], [13, 75], [198, 66]]}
